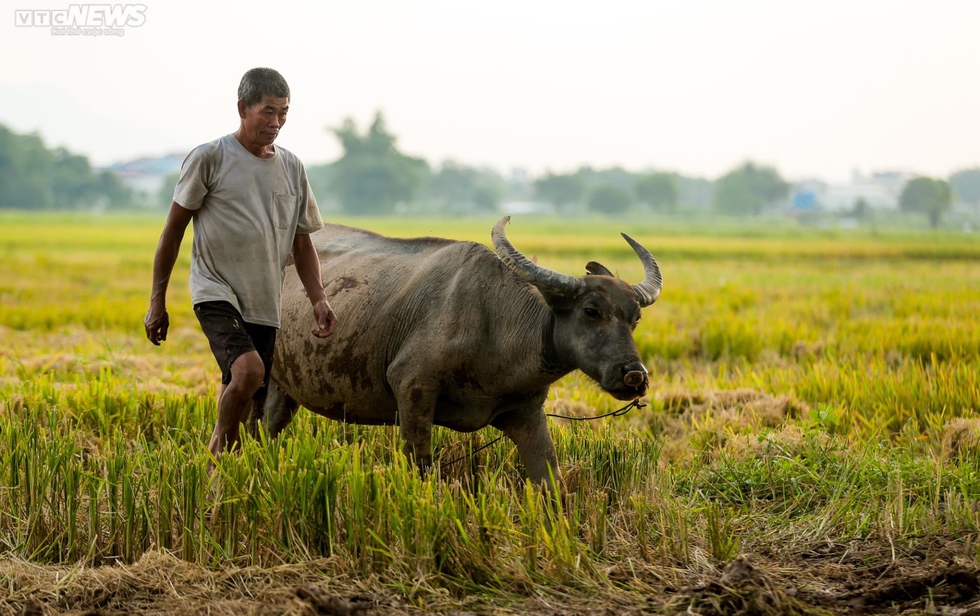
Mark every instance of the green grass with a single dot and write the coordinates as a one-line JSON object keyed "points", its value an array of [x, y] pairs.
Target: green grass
{"points": [[808, 386]]}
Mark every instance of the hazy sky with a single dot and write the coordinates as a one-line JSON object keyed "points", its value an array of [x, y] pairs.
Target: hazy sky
{"points": [[815, 88]]}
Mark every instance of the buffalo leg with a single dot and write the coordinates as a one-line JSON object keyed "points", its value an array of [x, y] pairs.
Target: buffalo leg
{"points": [[528, 428], [416, 408], [279, 410]]}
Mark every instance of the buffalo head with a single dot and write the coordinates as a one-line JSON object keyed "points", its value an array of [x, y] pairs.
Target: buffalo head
{"points": [[594, 315]]}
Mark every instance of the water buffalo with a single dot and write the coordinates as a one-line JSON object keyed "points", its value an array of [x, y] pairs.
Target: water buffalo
{"points": [[440, 332]]}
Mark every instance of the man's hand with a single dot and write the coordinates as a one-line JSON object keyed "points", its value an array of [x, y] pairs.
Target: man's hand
{"points": [[326, 320], [156, 322], [308, 269]]}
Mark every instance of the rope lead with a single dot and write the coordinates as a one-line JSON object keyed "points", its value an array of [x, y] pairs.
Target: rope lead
{"points": [[635, 404]]}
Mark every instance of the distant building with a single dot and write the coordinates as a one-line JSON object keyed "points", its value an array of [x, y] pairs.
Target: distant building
{"points": [[145, 176], [806, 195], [526, 208], [520, 184], [880, 191]]}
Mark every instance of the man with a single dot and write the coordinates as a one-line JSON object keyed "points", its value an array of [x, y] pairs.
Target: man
{"points": [[251, 205]]}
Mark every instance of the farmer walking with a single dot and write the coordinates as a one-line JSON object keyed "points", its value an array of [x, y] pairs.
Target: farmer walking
{"points": [[252, 206]]}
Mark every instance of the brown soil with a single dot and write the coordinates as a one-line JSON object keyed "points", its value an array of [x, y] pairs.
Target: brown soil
{"points": [[856, 578]]}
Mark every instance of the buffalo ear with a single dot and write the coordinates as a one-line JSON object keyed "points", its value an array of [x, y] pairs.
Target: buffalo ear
{"points": [[597, 269]]}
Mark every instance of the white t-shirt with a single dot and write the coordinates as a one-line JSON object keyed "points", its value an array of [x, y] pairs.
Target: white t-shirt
{"points": [[248, 210]]}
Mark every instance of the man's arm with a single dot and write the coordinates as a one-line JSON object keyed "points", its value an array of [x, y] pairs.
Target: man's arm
{"points": [[157, 320], [308, 268]]}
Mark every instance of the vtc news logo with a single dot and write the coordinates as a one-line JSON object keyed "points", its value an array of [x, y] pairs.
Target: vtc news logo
{"points": [[90, 19]]}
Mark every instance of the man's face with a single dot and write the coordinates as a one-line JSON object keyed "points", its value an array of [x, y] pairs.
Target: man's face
{"points": [[261, 122]]}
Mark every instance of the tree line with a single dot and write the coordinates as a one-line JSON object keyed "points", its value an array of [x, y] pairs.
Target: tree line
{"points": [[374, 177], [33, 176]]}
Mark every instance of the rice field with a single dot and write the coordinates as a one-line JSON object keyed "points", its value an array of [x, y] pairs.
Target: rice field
{"points": [[810, 444]]}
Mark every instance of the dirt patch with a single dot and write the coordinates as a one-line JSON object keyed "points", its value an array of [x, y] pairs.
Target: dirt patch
{"points": [[743, 588], [320, 601], [740, 588], [162, 584], [949, 585], [823, 579]]}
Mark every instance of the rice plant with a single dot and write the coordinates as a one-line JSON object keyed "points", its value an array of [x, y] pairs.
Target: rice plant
{"points": [[806, 391]]}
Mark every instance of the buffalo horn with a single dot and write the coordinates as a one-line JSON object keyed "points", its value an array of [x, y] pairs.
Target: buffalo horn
{"points": [[528, 270], [653, 282]]}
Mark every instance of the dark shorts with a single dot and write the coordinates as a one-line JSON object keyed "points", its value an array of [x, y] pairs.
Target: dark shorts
{"points": [[231, 337]]}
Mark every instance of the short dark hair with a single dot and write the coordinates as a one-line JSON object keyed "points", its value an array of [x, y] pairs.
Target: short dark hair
{"points": [[261, 81]]}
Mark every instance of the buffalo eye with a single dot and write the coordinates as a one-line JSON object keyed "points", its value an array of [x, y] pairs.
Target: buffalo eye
{"points": [[592, 313]]}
